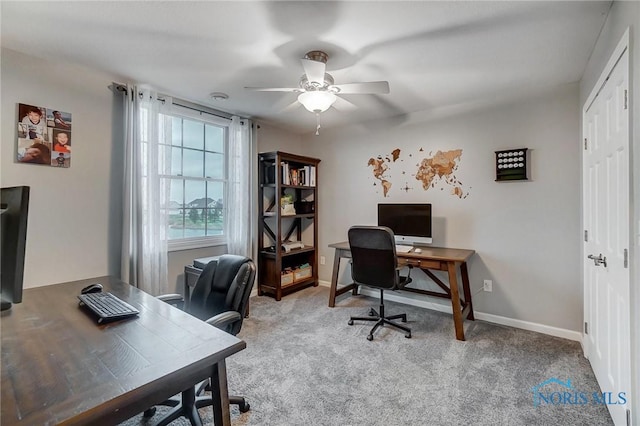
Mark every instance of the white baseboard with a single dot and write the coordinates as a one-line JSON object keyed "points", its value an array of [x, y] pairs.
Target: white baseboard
{"points": [[531, 326], [496, 319]]}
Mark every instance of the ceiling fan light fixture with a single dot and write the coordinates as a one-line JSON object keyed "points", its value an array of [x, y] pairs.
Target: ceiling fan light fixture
{"points": [[316, 101]]}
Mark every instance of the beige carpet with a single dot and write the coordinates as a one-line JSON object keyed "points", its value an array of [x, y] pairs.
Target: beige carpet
{"points": [[305, 366]]}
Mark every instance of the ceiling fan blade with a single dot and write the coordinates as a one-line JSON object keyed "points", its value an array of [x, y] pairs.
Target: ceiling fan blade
{"points": [[314, 70], [275, 89], [372, 87], [343, 105], [291, 107]]}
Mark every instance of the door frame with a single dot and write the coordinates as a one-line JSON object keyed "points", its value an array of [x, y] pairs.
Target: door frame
{"points": [[634, 331], [613, 60]]}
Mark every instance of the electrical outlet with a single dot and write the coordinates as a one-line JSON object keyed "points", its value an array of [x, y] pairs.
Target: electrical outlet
{"points": [[488, 285], [323, 260]]}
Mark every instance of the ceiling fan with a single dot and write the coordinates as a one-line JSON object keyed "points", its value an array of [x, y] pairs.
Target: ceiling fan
{"points": [[316, 88]]}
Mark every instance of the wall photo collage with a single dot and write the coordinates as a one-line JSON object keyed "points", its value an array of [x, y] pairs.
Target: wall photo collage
{"points": [[44, 136]]}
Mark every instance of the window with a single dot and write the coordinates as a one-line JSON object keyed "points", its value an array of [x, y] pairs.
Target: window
{"points": [[196, 176]]}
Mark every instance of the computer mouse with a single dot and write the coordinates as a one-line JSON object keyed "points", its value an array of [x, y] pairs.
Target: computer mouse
{"points": [[93, 288], [417, 250]]}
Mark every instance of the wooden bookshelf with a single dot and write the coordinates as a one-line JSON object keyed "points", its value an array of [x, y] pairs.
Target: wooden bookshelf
{"points": [[294, 177]]}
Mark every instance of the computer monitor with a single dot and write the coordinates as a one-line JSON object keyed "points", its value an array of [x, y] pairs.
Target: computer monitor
{"points": [[14, 207], [410, 223]]}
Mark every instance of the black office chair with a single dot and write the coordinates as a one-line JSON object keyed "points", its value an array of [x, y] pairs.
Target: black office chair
{"points": [[374, 264], [221, 298]]}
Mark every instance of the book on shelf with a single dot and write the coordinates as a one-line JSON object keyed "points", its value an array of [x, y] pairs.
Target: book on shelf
{"points": [[312, 176], [307, 175], [286, 177], [303, 176]]}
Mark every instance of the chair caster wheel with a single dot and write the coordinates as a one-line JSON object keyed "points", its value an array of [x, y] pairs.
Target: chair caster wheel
{"points": [[408, 335], [149, 413], [404, 319], [372, 313], [370, 337], [350, 322], [244, 407]]}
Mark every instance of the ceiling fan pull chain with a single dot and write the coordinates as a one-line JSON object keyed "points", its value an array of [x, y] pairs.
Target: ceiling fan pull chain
{"points": [[318, 124]]}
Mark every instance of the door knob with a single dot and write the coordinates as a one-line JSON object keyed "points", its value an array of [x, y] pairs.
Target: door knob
{"points": [[598, 260]]}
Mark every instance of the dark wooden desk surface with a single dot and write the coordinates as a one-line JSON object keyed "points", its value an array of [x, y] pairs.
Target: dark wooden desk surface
{"points": [[60, 367]]}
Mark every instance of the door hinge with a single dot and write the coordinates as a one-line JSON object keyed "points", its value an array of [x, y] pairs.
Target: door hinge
{"points": [[626, 258], [586, 328], [628, 417], [585, 144], [626, 98], [586, 236]]}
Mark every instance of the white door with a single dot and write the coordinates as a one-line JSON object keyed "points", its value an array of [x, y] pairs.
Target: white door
{"points": [[606, 219]]}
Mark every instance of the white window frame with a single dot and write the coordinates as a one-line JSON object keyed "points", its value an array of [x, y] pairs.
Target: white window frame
{"points": [[214, 240]]}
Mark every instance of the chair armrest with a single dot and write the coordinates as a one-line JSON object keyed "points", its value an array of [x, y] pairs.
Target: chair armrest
{"points": [[403, 281], [223, 319], [172, 299]]}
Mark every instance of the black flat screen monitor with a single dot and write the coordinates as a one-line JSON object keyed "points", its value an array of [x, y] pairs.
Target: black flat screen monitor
{"points": [[14, 205], [410, 223]]}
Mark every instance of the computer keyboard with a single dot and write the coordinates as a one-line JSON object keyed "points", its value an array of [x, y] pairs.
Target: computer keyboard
{"points": [[107, 306], [403, 249]]}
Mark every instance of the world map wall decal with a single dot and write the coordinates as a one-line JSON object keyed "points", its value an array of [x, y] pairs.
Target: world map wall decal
{"points": [[433, 171]]}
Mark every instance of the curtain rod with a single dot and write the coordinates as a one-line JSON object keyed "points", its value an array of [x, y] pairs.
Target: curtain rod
{"points": [[182, 103]]}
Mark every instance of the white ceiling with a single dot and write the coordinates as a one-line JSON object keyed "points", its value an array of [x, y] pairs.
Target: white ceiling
{"points": [[435, 55]]}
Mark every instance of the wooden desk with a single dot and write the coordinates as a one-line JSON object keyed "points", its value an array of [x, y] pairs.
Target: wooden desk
{"points": [[60, 367], [431, 258]]}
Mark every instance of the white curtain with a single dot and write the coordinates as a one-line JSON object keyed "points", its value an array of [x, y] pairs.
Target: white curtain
{"points": [[240, 205], [144, 243]]}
